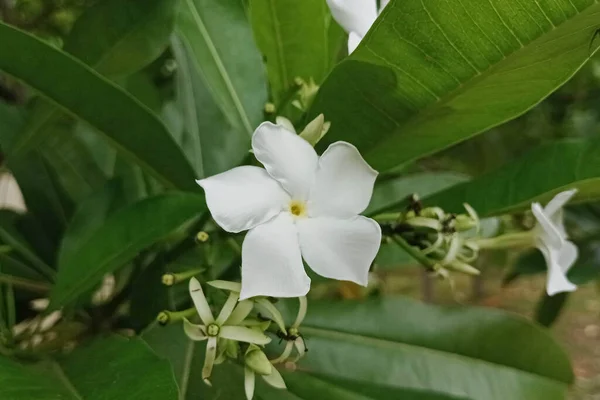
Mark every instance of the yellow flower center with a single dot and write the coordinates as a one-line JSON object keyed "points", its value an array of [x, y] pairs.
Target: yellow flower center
{"points": [[297, 208]]}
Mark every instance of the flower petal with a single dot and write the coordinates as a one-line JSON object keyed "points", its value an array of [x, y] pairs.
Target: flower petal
{"points": [[558, 202], [547, 232], [200, 302], [193, 331], [209, 358], [354, 15], [249, 382], [340, 249], [243, 198], [287, 157], [559, 260], [344, 183], [227, 308], [274, 379], [240, 312], [354, 40], [243, 334], [271, 261]]}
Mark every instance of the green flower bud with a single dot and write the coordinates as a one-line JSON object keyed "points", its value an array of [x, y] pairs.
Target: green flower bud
{"points": [[257, 361], [315, 130], [465, 223], [270, 108]]}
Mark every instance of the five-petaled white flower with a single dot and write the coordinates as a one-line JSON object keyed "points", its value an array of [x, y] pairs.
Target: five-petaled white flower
{"points": [[356, 17], [300, 206], [551, 239]]}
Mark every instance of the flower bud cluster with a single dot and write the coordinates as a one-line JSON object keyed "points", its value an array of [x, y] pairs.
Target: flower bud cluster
{"points": [[443, 240]]}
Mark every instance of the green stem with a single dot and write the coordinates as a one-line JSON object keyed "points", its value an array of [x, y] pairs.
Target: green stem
{"points": [[413, 252], [388, 217], [507, 241]]}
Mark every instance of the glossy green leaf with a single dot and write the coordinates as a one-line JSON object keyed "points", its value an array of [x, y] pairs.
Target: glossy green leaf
{"points": [[238, 87], [119, 38], [432, 74], [402, 344], [294, 39], [537, 176], [102, 104], [74, 377], [395, 349], [394, 193], [211, 143], [117, 241]]}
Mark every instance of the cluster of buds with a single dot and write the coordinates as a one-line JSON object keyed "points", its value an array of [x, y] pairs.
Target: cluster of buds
{"points": [[441, 241], [239, 332]]}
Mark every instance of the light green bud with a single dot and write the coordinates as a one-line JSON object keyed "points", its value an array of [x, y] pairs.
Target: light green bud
{"points": [[315, 130], [465, 223], [257, 361]]}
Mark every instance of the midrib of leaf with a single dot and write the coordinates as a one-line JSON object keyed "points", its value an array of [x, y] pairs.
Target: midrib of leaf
{"points": [[279, 42], [356, 338], [187, 367], [220, 67], [477, 77], [60, 374], [186, 75]]}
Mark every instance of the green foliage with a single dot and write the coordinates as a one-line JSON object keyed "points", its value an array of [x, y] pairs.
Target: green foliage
{"points": [[78, 377], [452, 70], [110, 110]]}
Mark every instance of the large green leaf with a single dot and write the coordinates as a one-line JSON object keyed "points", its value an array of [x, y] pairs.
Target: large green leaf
{"points": [[294, 38], [537, 176], [396, 349], [220, 45], [117, 241], [211, 142], [119, 38], [432, 74], [111, 368], [125, 122]]}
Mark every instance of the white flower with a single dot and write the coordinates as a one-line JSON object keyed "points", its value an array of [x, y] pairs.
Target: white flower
{"points": [[551, 239], [300, 205], [225, 326], [356, 17]]}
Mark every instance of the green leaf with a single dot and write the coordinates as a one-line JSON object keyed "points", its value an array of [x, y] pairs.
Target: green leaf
{"points": [[294, 38], [394, 349], [90, 215], [402, 344], [118, 38], [211, 143], [537, 176], [145, 141], [117, 241], [238, 87], [74, 377], [432, 74], [393, 193]]}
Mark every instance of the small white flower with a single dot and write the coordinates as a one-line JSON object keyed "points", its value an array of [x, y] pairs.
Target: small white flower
{"points": [[551, 239], [300, 206], [356, 17], [225, 326]]}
